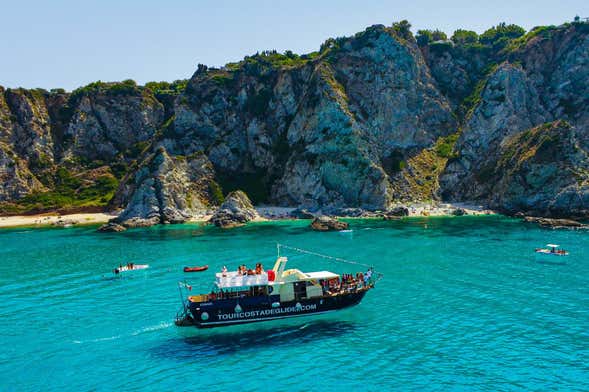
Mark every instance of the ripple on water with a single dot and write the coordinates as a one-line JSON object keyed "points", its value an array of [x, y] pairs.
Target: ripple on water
{"points": [[464, 304]]}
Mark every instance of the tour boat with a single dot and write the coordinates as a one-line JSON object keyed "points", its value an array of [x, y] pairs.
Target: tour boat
{"points": [[196, 269], [278, 293], [552, 250], [130, 267]]}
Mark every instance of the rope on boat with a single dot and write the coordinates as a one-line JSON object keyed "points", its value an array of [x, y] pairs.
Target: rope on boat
{"points": [[338, 259]]}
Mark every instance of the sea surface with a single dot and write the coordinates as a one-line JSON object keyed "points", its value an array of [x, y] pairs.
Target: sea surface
{"points": [[464, 304]]}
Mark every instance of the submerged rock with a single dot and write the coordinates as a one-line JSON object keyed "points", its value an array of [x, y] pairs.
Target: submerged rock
{"points": [[111, 227], [326, 223], [236, 210], [555, 223]]}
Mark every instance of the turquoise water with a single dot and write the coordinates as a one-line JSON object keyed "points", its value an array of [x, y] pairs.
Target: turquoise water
{"points": [[464, 304]]}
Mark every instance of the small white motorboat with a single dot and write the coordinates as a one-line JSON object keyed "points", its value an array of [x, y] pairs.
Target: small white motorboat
{"points": [[130, 267], [552, 250]]}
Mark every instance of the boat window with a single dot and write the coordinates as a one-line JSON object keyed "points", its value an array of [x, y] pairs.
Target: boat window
{"points": [[300, 290]]}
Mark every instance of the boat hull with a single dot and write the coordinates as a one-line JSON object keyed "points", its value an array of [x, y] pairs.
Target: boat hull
{"points": [[266, 308]]}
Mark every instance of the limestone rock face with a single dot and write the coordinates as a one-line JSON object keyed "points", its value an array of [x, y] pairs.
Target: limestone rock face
{"points": [[527, 97], [543, 171], [328, 134], [27, 127], [370, 121], [236, 210], [15, 178], [509, 104], [104, 125], [326, 223], [166, 189]]}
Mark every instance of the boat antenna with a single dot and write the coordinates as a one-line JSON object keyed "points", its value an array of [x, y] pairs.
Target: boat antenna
{"points": [[337, 259]]}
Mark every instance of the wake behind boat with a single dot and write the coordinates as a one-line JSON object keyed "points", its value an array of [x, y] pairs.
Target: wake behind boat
{"points": [[248, 296]]}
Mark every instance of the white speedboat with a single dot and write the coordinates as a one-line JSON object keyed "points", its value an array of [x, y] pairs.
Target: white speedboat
{"points": [[130, 267], [552, 249]]}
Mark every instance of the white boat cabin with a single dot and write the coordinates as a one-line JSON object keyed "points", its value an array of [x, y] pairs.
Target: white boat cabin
{"points": [[290, 284]]}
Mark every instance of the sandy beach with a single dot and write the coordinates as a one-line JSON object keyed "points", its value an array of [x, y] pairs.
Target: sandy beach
{"points": [[55, 219], [266, 213]]}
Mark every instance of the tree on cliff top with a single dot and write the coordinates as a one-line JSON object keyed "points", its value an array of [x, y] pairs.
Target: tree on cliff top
{"points": [[402, 29], [498, 36], [464, 37]]}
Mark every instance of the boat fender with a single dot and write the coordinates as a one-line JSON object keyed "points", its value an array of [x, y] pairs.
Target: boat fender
{"points": [[275, 304], [204, 316], [238, 309]]}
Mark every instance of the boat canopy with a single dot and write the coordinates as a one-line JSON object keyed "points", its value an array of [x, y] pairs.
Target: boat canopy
{"points": [[234, 279], [552, 245]]}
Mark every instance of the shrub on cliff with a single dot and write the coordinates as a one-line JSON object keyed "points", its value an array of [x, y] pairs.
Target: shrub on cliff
{"points": [[464, 37]]}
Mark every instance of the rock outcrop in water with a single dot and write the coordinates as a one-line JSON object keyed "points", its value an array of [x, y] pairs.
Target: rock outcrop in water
{"points": [[365, 123], [236, 210], [326, 223]]}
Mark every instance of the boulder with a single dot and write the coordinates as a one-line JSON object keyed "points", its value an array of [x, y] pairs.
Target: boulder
{"points": [[555, 223], [111, 227], [301, 214], [65, 222], [398, 211], [236, 210], [326, 223], [459, 212]]}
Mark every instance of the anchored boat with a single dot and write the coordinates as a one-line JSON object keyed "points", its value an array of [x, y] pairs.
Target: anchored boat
{"points": [[196, 269], [552, 249], [129, 267], [279, 293]]}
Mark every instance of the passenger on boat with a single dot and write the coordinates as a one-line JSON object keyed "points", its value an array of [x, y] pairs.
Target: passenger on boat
{"points": [[259, 269], [224, 271], [250, 272]]}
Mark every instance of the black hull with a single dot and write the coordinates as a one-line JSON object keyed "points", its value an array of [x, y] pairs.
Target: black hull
{"points": [[235, 311]]}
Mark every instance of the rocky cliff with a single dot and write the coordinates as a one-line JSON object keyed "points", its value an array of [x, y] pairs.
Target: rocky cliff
{"points": [[367, 121], [542, 80]]}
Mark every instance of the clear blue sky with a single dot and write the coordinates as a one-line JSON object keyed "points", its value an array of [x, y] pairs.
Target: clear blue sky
{"points": [[62, 43]]}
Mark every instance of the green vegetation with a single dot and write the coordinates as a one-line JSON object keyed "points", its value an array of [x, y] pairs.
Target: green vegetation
{"points": [[402, 29], [470, 102], [70, 191], [262, 62], [177, 87], [126, 87], [464, 37], [216, 193], [499, 36], [425, 37], [444, 147]]}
